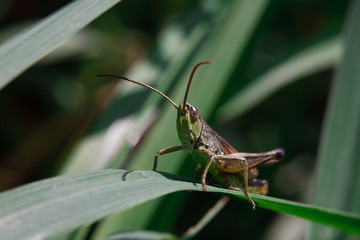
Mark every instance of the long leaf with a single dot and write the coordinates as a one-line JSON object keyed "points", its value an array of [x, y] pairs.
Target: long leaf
{"points": [[337, 178], [61, 204], [29, 46], [141, 235], [308, 61]]}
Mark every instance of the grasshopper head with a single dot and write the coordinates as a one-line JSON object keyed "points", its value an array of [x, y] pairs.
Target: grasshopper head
{"points": [[188, 124]]}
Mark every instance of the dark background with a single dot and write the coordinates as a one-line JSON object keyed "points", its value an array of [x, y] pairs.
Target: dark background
{"points": [[59, 95]]}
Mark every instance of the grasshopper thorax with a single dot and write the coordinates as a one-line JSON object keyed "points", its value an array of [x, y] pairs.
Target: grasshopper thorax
{"points": [[188, 124]]}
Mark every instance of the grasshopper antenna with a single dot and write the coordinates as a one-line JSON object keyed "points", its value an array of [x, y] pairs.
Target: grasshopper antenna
{"points": [[141, 84], [190, 79]]}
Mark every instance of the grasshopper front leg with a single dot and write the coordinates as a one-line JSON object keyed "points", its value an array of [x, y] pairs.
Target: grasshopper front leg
{"points": [[165, 151]]}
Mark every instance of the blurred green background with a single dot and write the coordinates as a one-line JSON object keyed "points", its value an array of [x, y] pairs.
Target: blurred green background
{"points": [[58, 117]]}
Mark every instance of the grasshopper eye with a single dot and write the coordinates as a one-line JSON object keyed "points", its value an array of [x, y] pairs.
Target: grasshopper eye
{"points": [[194, 114]]}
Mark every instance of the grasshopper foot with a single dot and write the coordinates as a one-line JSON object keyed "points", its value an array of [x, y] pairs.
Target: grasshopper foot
{"points": [[254, 206], [246, 194]]}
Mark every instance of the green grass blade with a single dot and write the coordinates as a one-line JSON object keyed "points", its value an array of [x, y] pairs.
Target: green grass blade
{"points": [[29, 46], [337, 179], [61, 204], [141, 235], [308, 61], [345, 221]]}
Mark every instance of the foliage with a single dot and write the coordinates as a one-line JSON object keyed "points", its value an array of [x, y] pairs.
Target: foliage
{"points": [[59, 204], [72, 122]]}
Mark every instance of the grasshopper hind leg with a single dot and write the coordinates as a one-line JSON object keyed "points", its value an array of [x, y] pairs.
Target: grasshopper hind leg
{"points": [[246, 194]]}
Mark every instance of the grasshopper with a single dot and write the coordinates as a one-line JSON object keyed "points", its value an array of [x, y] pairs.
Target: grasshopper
{"points": [[230, 169]]}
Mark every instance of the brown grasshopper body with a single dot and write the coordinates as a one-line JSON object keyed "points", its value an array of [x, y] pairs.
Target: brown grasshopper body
{"points": [[230, 169]]}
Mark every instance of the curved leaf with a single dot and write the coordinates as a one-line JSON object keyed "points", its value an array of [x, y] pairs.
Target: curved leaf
{"points": [[338, 165], [29, 46], [61, 204], [308, 61], [141, 235]]}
